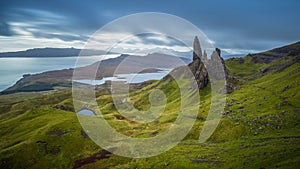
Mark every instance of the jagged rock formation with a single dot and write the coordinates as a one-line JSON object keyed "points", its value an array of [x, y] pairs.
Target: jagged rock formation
{"points": [[202, 67], [216, 66], [197, 52], [198, 67]]}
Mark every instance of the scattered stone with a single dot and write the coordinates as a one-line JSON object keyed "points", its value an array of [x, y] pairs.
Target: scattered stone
{"points": [[200, 118], [119, 117], [223, 113], [57, 133], [54, 150], [154, 133], [62, 107], [98, 156], [286, 88]]}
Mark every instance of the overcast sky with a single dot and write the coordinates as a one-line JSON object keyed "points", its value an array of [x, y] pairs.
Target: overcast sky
{"points": [[237, 26]]}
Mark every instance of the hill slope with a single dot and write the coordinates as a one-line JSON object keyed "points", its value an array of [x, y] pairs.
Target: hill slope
{"points": [[259, 128], [51, 52]]}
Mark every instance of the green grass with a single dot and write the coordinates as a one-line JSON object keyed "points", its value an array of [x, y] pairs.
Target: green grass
{"points": [[245, 69], [260, 128]]}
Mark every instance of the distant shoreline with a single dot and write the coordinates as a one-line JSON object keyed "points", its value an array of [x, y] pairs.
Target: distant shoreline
{"points": [[46, 56], [54, 52]]}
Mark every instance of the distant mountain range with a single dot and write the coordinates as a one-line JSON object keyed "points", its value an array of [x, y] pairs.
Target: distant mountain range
{"points": [[52, 52], [105, 68], [186, 54], [67, 52]]}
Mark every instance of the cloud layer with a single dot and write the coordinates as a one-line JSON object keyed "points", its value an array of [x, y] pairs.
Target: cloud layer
{"points": [[235, 26]]}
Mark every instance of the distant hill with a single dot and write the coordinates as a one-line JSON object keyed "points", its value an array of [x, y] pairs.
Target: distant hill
{"points": [[277, 53], [106, 68], [66, 52], [256, 65], [51, 52], [228, 56]]}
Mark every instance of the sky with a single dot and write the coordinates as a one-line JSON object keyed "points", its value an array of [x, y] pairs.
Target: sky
{"points": [[235, 26]]}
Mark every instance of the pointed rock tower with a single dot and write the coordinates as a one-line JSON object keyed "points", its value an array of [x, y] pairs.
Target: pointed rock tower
{"points": [[204, 57], [197, 66], [197, 52], [216, 66]]}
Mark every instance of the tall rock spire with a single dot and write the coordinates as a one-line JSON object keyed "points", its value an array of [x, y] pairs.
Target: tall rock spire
{"points": [[204, 57], [197, 54], [217, 66], [197, 66]]}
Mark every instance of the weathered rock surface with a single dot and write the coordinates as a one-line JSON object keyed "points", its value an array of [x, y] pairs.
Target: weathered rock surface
{"points": [[204, 68], [197, 66]]}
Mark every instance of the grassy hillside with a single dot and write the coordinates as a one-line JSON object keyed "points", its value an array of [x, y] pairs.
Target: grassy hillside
{"points": [[259, 127]]}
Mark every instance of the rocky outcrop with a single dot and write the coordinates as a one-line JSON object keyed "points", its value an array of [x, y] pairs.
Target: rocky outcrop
{"points": [[216, 66], [197, 52], [204, 68], [197, 66]]}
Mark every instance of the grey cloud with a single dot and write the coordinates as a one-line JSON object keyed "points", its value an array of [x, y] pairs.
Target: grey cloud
{"points": [[249, 25], [63, 37], [43, 24], [5, 29], [154, 39]]}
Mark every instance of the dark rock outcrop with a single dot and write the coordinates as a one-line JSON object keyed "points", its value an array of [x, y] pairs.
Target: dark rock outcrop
{"points": [[103, 154], [197, 66], [216, 66], [197, 52], [204, 68]]}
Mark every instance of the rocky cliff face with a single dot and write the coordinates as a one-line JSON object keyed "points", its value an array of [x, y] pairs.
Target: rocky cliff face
{"points": [[197, 52], [197, 66], [216, 66], [202, 67]]}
